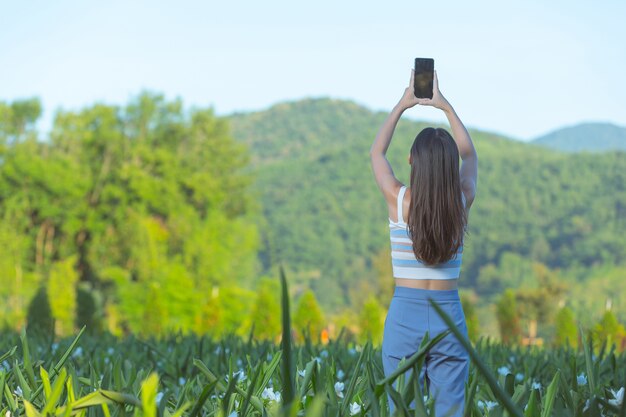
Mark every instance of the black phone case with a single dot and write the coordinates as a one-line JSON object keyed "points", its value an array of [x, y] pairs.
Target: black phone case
{"points": [[423, 81]]}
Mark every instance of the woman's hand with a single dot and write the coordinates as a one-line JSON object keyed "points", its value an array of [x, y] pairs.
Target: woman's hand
{"points": [[408, 99], [438, 100]]}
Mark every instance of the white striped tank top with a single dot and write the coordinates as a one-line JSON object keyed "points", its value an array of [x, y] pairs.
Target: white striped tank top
{"points": [[403, 260]]}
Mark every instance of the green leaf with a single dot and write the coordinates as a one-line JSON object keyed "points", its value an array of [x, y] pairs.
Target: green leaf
{"points": [[30, 409], [548, 402], [28, 367], [149, 388], [45, 380], [588, 361], [55, 393], [26, 390], [532, 408], [286, 368], [505, 400], [417, 356]]}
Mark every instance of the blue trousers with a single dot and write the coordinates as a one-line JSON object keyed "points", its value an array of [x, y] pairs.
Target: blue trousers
{"points": [[446, 367]]}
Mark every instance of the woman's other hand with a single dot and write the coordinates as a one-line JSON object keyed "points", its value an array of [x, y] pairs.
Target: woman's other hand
{"points": [[438, 100], [408, 99]]}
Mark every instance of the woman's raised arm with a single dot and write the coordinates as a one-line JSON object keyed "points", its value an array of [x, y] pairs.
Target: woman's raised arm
{"points": [[469, 164], [385, 178]]}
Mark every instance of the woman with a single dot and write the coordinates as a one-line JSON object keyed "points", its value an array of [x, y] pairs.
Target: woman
{"points": [[427, 223]]}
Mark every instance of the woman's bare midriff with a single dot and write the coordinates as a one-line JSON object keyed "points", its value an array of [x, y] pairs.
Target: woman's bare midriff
{"points": [[427, 284]]}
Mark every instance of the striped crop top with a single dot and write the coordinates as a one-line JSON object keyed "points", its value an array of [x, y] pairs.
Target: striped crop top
{"points": [[403, 260]]}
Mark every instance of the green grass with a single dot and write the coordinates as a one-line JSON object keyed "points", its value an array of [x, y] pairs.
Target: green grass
{"points": [[186, 375]]}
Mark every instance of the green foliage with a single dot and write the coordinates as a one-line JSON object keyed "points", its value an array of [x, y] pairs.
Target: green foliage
{"points": [[87, 313], [265, 314], [566, 329], [610, 330], [371, 321], [61, 292], [471, 318], [195, 375], [308, 317], [148, 205], [40, 320], [508, 319], [17, 120]]}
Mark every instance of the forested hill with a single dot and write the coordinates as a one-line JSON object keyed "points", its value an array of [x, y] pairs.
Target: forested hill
{"points": [[591, 137], [538, 213]]}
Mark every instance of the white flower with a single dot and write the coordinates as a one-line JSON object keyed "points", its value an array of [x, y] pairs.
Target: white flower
{"points": [[269, 394], [239, 363], [504, 371], [304, 400], [181, 381], [339, 389], [519, 377], [317, 359], [536, 385], [241, 375], [488, 405], [218, 349], [586, 406], [354, 408], [106, 359], [324, 353], [618, 397], [77, 352], [7, 414], [340, 374], [301, 373], [18, 391], [581, 379], [110, 351], [159, 397]]}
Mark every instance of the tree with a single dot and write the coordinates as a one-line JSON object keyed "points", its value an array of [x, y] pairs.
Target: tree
{"points": [[371, 321], [149, 201], [265, 314], [508, 319], [609, 330], [566, 331], [308, 318], [61, 292], [469, 309]]}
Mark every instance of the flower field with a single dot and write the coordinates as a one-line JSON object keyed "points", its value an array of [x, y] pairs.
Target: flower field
{"points": [[187, 375]]}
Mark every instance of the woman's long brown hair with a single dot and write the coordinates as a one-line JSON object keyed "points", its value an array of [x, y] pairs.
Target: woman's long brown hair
{"points": [[437, 219]]}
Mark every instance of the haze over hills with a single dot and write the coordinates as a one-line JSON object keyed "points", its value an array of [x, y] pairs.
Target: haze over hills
{"points": [[591, 137], [539, 213]]}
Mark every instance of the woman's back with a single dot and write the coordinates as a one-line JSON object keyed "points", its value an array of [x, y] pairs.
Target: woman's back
{"points": [[405, 264]]}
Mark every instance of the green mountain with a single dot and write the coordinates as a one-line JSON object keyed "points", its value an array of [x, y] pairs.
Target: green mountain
{"points": [[327, 222], [591, 137]]}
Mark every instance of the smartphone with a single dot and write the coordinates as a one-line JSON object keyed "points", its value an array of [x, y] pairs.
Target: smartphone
{"points": [[423, 81]]}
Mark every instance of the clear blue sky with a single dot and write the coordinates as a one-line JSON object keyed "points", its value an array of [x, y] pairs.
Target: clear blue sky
{"points": [[520, 68]]}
